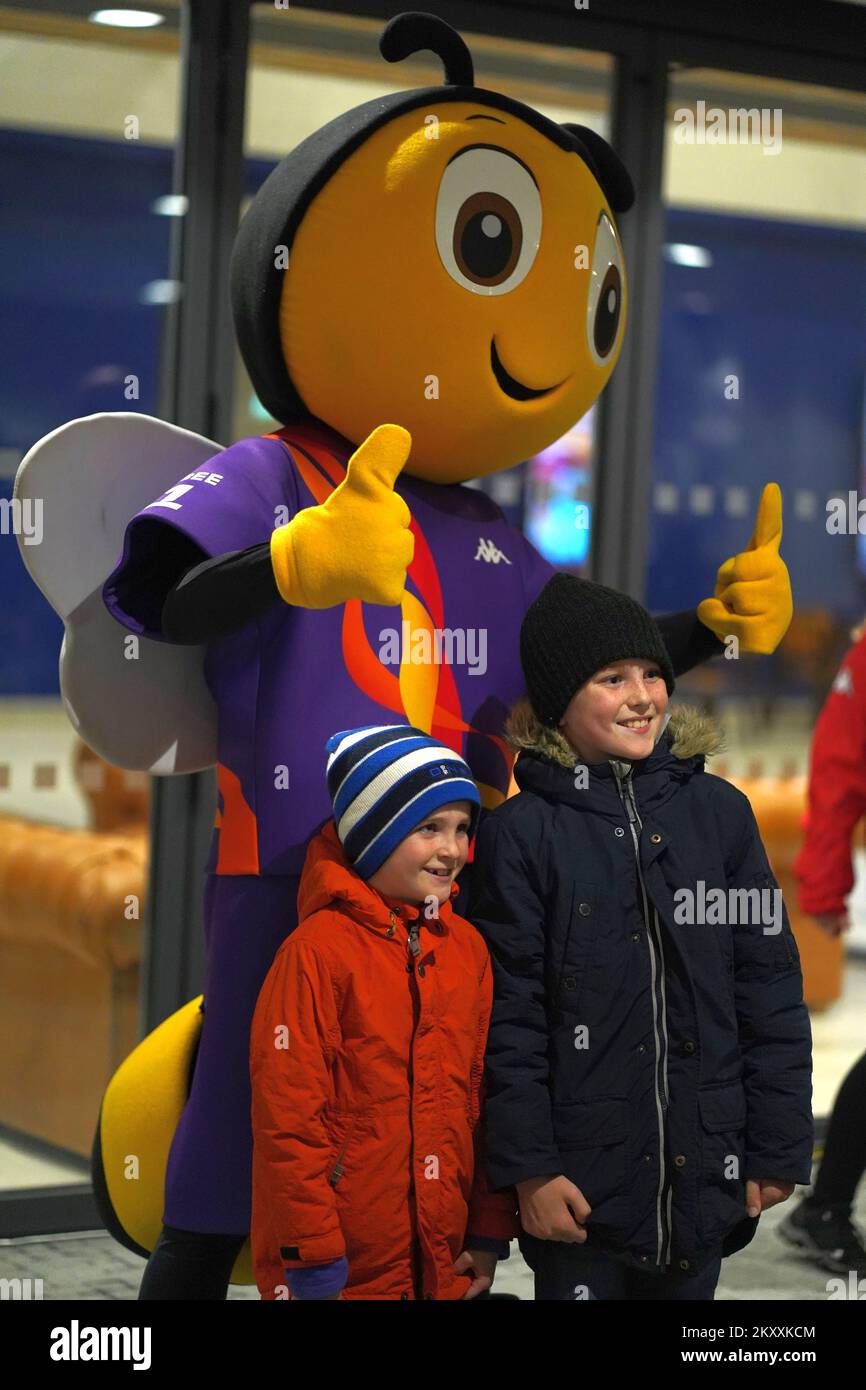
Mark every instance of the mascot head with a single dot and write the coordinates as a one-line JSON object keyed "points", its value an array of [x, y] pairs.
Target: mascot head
{"points": [[445, 259]]}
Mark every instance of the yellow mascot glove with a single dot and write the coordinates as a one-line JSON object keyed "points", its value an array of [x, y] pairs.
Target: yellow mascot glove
{"points": [[753, 600], [357, 544]]}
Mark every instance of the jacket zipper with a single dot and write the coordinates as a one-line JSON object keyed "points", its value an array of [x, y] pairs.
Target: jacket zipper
{"points": [[660, 1040], [414, 948]]}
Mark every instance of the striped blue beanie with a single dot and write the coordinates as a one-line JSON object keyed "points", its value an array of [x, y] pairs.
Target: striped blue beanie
{"points": [[383, 780]]}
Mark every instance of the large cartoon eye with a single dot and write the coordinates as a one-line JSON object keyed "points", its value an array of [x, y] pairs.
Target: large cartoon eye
{"points": [[604, 307], [488, 220]]}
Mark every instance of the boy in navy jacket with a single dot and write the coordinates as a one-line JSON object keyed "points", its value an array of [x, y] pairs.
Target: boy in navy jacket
{"points": [[649, 1054]]}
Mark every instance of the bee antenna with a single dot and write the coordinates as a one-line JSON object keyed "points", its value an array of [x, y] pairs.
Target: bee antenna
{"points": [[414, 30]]}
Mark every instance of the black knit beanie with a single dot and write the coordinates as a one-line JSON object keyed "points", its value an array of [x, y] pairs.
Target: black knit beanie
{"points": [[573, 629]]}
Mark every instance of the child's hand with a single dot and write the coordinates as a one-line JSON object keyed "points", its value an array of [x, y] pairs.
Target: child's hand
{"points": [[552, 1208], [483, 1262], [763, 1193], [833, 923]]}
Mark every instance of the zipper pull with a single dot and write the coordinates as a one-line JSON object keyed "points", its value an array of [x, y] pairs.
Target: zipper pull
{"points": [[625, 787], [415, 946], [337, 1170], [628, 795]]}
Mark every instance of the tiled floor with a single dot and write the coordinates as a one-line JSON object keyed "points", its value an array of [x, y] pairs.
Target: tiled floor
{"points": [[93, 1267]]}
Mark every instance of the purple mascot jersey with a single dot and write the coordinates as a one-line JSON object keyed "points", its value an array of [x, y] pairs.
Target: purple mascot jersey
{"points": [[283, 685]]}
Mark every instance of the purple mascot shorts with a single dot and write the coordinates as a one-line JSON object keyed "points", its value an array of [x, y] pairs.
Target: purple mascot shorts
{"points": [[208, 1182]]}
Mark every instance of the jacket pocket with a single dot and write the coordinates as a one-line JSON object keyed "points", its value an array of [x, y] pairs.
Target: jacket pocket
{"points": [[591, 1136], [722, 1189], [783, 951]]}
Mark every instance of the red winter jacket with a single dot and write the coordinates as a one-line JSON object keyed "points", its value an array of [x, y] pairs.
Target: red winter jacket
{"points": [[366, 1081], [837, 790]]}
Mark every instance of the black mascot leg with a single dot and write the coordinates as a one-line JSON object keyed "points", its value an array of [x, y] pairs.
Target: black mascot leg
{"points": [[844, 1160], [190, 1266]]}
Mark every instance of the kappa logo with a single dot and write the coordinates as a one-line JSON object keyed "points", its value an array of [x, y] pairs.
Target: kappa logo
{"points": [[843, 684], [487, 550]]}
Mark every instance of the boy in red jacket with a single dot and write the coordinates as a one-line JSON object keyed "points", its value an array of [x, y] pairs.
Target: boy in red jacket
{"points": [[368, 1042]]}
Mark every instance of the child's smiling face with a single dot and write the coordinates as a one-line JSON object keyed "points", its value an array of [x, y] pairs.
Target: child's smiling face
{"points": [[618, 712], [426, 863]]}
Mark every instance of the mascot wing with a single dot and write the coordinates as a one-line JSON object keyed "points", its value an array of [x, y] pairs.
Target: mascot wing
{"points": [[140, 703]]}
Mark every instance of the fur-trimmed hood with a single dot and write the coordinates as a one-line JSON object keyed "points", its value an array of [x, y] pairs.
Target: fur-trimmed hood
{"points": [[688, 731]]}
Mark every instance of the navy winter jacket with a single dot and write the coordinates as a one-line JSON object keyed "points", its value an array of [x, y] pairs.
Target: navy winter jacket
{"points": [[656, 1061]]}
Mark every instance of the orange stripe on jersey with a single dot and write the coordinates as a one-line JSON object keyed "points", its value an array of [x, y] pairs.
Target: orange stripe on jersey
{"points": [[331, 467], [319, 479], [362, 663], [238, 841]]}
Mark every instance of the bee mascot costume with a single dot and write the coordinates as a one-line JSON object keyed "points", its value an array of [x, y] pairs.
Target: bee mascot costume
{"points": [[410, 306]]}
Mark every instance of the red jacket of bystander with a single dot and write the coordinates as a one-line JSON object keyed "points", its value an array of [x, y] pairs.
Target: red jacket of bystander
{"points": [[837, 790]]}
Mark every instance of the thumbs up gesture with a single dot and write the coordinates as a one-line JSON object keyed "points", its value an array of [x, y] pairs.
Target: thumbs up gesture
{"points": [[357, 544], [753, 599]]}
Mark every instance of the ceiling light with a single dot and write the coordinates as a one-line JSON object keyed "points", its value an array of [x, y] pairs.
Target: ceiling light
{"points": [[127, 19], [170, 205], [160, 292], [681, 253]]}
